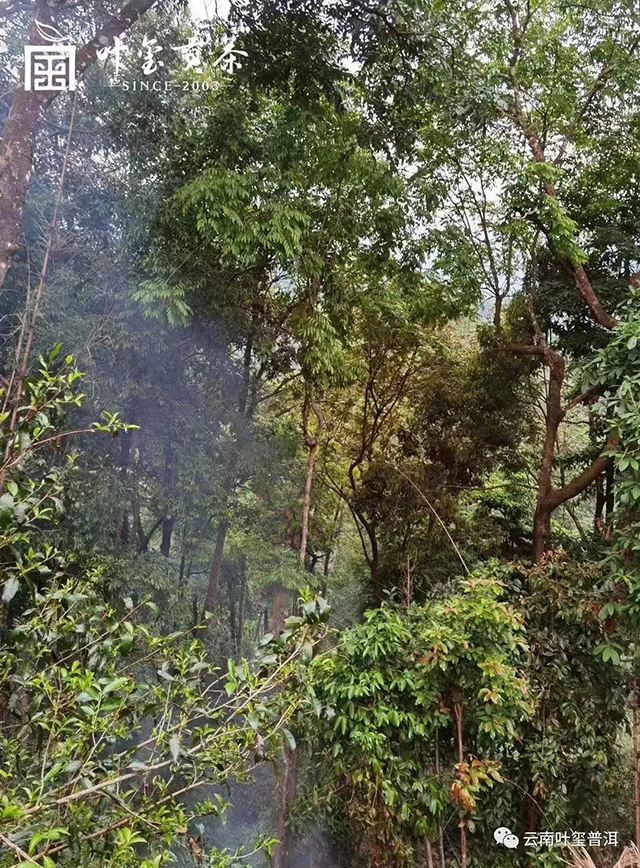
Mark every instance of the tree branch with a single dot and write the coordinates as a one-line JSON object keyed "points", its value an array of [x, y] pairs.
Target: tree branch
{"points": [[591, 392], [584, 480]]}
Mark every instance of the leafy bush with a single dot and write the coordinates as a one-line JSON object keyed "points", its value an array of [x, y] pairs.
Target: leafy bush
{"points": [[414, 709], [106, 724]]}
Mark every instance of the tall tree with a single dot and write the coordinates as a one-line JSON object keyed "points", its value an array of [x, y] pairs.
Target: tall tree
{"points": [[27, 111]]}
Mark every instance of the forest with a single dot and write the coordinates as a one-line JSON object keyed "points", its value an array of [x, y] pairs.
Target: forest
{"points": [[320, 433]]}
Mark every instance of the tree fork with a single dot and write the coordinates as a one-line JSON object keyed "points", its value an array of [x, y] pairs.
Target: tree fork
{"points": [[550, 498]]}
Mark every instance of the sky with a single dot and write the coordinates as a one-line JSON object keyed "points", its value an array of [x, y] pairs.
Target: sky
{"points": [[209, 8]]}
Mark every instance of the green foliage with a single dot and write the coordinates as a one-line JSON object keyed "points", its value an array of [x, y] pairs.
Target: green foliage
{"points": [[107, 723], [399, 684], [570, 748], [306, 235]]}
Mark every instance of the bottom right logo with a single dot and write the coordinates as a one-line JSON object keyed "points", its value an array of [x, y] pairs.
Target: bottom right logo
{"points": [[505, 837]]}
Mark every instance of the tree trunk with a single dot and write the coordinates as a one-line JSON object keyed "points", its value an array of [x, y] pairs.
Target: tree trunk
{"points": [[233, 624], [124, 527], [541, 530], [168, 522], [216, 563], [306, 499], [312, 443], [636, 761], [542, 516], [136, 521], [167, 531], [609, 491], [25, 119], [428, 855], [126, 441], [287, 788], [325, 572], [374, 563], [279, 605], [550, 498], [245, 411], [241, 603], [457, 708], [194, 608], [601, 500], [441, 832], [16, 160]]}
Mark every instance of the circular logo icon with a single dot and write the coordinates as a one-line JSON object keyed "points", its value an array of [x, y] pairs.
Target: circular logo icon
{"points": [[500, 834]]}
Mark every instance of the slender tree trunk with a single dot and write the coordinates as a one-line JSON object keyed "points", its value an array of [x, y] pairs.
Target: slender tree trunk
{"points": [[600, 505], [325, 571], [167, 531], [168, 522], [136, 516], [241, 603], [609, 491], [306, 500], [636, 760], [280, 599], [25, 119], [124, 526], [374, 563], [216, 564], [245, 412], [183, 550], [194, 609], [136, 521], [550, 498], [312, 442], [126, 441], [441, 832], [33, 303], [287, 789], [144, 537], [428, 854], [463, 819], [542, 516], [233, 624]]}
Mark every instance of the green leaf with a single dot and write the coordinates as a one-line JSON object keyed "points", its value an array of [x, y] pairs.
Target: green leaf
{"points": [[116, 684]]}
